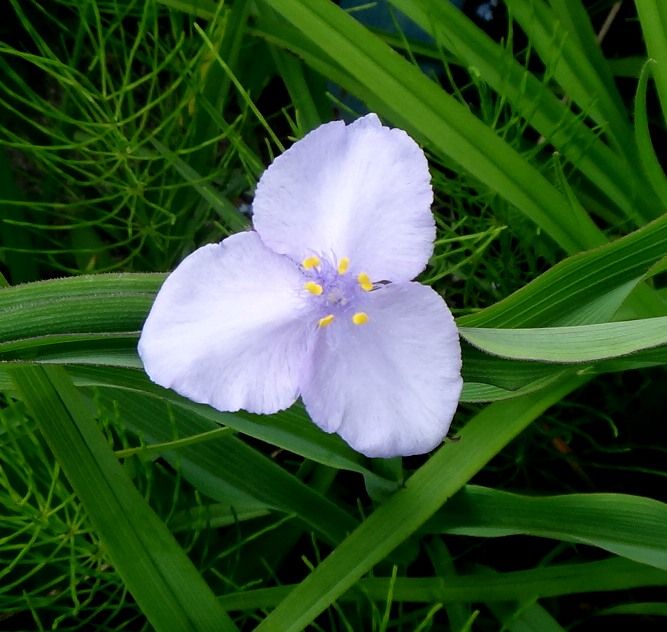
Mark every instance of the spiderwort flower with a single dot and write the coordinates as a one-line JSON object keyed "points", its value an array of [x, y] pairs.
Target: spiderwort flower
{"points": [[318, 301]]}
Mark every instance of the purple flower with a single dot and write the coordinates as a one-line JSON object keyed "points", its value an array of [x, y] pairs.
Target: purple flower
{"points": [[318, 301]]}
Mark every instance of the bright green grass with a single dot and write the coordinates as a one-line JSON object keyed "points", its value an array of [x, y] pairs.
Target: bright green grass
{"points": [[132, 132]]}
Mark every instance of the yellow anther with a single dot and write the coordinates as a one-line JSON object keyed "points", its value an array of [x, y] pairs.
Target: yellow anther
{"points": [[311, 262], [364, 282], [313, 288], [360, 318], [327, 320], [343, 265]]}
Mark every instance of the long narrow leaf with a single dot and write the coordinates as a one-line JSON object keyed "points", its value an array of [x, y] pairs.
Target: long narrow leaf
{"points": [[653, 20], [549, 581], [560, 47], [648, 159], [166, 585], [584, 343], [629, 526], [560, 295]]}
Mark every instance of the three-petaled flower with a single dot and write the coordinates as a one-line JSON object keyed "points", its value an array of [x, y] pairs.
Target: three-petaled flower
{"points": [[318, 301]]}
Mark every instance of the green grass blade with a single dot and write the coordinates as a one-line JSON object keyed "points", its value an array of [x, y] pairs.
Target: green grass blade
{"points": [[206, 9], [483, 372], [483, 587], [559, 46], [215, 90], [491, 378], [654, 609], [458, 614], [95, 320], [653, 20], [583, 343], [649, 161], [561, 294], [525, 616], [629, 526], [106, 349], [85, 304], [484, 391], [229, 215], [445, 472], [291, 71], [290, 429], [572, 14], [165, 584]]}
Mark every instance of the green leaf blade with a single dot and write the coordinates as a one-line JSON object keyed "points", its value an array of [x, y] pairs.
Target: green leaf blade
{"points": [[167, 587], [630, 526], [583, 343]]}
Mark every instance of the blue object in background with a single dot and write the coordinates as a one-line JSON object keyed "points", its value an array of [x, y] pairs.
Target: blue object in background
{"points": [[380, 17], [485, 11]]}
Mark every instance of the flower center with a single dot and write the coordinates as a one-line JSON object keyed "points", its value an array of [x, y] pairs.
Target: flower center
{"points": [[334, 291]]}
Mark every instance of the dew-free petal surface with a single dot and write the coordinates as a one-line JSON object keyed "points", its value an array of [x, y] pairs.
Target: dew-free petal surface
{"points": [[230, 328], [360, 191], [391, 386]]}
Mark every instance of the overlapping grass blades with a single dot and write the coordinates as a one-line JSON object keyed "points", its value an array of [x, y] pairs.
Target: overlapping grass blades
{"points": [[424, 493], [549, 581], [171, 120], [613, 172]]}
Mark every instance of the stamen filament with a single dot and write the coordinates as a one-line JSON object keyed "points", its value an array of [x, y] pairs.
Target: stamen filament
{"points": [[313, 288], [343, 265], [326, 321], [311, 262], [360, 318], [364, 282]]}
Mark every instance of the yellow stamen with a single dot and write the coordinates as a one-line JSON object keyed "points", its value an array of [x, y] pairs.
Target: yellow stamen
{"points": [[343, 265], [327, 320], [313, 288], [311, 262], [364, 282], [360, 318]]}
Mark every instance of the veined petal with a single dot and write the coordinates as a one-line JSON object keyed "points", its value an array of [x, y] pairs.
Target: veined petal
{"points": [[360, 191], [390, 386], [228, 329]]}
